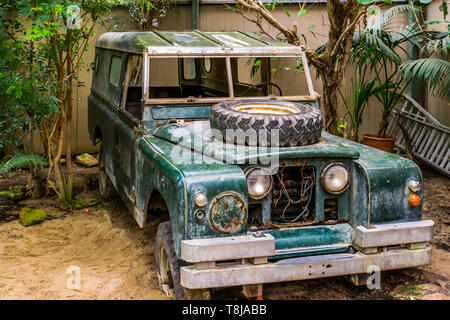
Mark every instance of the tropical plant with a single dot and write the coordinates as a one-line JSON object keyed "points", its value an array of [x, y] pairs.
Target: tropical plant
{"points": [[435, 72], [382, 48], [363, 89], [58, 35], [21, 161], [25, 86], [435, 68]]}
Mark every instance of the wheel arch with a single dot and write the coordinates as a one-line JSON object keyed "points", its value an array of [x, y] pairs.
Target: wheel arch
{"points": [[155, 199]]}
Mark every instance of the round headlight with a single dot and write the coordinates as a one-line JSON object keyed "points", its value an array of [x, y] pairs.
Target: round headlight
{"points": [[259, 182], [335, 178], [414, 186]]}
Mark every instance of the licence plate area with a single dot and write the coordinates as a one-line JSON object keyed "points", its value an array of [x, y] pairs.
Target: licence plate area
{"points": [[311, 240]]}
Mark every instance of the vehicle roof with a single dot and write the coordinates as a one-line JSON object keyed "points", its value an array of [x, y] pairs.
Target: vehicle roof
{"points": [[196, 43]]}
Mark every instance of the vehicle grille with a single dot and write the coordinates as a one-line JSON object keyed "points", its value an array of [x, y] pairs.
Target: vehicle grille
{"points": [[293, 194]]}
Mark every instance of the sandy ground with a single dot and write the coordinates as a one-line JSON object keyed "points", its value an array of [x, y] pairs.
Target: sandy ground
{"points": [[116, 258]]}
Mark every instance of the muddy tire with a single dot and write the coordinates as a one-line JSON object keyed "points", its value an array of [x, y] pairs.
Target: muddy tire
{"points": [[298, 124], [105, 185], [168, 267]]}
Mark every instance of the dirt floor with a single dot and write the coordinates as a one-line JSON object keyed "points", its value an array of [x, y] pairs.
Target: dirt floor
{"points": [[116, 258]]}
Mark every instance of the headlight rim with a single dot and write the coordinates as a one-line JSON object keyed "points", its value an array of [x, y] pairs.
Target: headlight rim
{"points": [[210, 218], [325, 168], [247, 171]]}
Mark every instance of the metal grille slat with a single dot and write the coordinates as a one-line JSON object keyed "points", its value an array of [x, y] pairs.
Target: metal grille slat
{"points": [[429, 139]]}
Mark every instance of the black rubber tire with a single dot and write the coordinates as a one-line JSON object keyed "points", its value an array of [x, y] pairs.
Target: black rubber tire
{"points": [[105, 185], [164, 246], [296, 129]]}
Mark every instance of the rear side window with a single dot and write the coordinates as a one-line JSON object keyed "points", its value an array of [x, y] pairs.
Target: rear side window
{"points": [[115, 70]]}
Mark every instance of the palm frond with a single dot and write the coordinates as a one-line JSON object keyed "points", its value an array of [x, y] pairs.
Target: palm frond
{"points": [[367, 45], [22, 161], [385, 18], [436, 72]]}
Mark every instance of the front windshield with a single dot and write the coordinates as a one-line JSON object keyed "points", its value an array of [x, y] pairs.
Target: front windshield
{"points": [[218, 78]]}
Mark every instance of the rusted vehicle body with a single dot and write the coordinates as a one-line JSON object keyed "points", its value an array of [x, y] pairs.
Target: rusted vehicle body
{"points": [[328, 207]]}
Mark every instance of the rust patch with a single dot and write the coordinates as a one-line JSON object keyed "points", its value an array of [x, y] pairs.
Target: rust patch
{"points": [[228, 212]]}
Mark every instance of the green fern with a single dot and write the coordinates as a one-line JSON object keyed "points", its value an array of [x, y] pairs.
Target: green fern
{"points": [[436, 72], [22, 161]]}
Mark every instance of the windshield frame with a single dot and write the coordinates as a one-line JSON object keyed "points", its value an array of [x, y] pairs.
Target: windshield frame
{"points": [[227, 53]]}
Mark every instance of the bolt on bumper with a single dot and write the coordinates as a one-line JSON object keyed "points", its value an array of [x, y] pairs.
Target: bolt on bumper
{"points": [[388, 246], [301, 268]]}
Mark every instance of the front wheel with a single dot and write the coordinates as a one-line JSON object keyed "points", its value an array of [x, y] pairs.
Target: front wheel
{"points": [[168, 267]]}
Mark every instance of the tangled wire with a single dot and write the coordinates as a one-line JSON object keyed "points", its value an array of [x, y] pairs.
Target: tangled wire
{"points": [[307, 182]]}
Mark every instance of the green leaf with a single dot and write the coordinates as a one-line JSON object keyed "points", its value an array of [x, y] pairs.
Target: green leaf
{"points": [[444, 9], [310, 27], [431, 21], [257, 63], [287, 12], [363, 2], [425, 1], [301, 13]]}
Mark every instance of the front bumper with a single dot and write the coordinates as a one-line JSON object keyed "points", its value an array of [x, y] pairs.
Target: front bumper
{"points": [[390, 246], [302, 268]]}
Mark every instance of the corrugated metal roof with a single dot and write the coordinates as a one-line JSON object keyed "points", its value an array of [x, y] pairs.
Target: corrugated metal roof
{"points": [[194, 43]]}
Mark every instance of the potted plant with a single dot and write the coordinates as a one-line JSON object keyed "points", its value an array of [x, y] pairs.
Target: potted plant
{"points": [[383, 50]]}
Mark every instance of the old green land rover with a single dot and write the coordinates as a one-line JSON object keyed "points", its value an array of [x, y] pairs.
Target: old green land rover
{"points": [[213, 129]]}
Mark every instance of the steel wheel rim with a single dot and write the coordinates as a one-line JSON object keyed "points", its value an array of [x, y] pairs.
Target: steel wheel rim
{"points": [[102, 172], [266, 108], [165, 272]]}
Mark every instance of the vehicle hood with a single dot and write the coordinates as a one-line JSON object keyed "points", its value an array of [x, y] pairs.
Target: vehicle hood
{"points": [[196, 136]]}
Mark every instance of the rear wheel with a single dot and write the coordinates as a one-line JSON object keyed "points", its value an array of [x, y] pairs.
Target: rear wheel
{"points": [[105, 185], [168, 267]]}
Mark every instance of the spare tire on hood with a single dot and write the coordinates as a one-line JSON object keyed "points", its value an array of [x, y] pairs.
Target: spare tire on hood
{"points": [[240, 122]]}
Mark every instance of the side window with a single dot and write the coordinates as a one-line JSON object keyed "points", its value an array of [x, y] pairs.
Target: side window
{"points": [[115, 70], [189, 72]]}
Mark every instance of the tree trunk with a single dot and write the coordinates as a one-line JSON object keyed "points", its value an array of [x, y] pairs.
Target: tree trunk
{"points": [[68, 131]]}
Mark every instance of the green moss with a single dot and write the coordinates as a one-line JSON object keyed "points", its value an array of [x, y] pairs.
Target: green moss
{"points": [[414, 290], [393, 296], [83, 203], [86, 160], [16, 193], [29, 217]]}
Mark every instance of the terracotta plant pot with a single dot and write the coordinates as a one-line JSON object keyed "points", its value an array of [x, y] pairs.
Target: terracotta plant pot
{"points": [[384, 144]]}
